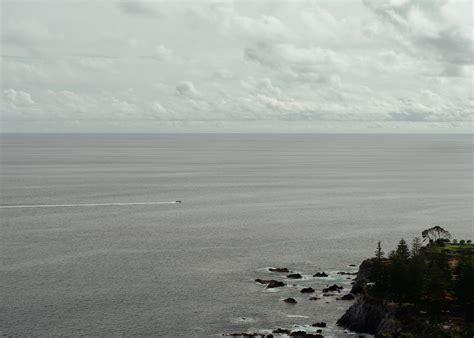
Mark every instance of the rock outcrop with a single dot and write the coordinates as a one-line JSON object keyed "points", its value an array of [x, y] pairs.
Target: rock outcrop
{"points": [[320, 274], [290, 300], [363, 276], [349, 296], [271, 283], [333, 288], [320, 324], [307, 290], [281, 331], [285, 270], [369, 315], [347, 273]]}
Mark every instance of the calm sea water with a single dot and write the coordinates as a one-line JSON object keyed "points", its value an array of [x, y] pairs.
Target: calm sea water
{"points": [[308, 202]]}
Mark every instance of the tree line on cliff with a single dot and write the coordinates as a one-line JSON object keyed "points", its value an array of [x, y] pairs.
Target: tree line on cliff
{"points": [[434, 276]]}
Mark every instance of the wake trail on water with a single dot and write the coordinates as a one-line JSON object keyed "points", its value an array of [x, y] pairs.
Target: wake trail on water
{"points": [[83, 205]]}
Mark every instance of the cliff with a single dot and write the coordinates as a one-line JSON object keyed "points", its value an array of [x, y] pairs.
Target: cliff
{"points": [[423, 292], [368, 314], [363, 276]]}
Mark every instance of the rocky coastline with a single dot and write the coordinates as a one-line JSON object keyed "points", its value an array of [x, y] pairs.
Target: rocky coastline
{"points": [[425, 290], [368, 314], [299, 288]]}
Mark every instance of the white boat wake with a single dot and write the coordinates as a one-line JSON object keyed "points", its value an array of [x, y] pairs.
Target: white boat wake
{"points": [[83, 205]]}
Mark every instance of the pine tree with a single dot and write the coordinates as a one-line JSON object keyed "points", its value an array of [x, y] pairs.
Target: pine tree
{"points": [[398, 277], [402, 250], [415, 247], [378, 272], [378, 252], [399, 283], [416, 270]]}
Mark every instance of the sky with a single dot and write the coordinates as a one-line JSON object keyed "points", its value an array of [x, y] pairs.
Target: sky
{"points": [[237, 66]]}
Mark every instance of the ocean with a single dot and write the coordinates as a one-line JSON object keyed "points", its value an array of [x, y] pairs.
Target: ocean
{"points": [[309, 202]]}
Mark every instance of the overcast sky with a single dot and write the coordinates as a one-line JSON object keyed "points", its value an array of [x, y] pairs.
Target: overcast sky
{"points": [[244, 66]]}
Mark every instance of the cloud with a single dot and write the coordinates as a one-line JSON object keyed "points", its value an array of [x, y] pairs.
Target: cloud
{"points": [[186, 88], [412, 115], [384, 63], [137, 7], [95, 63], [17, 98], [266, 85], [312, 64], [426, 29], [28, 32], [156, 107], [162, 53], [264, 28], [428, 106]]}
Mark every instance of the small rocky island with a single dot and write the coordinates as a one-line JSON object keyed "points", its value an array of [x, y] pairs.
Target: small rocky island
{"points": [[425, 289]]}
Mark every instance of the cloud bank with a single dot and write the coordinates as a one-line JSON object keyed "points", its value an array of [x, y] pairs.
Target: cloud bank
{"points": [[369, 65]]}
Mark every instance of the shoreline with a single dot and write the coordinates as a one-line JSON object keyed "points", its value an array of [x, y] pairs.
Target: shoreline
{"points": [[389, 296]]}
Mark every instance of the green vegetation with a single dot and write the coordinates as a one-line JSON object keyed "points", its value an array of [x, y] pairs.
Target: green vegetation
{"points": [[431, 286]]}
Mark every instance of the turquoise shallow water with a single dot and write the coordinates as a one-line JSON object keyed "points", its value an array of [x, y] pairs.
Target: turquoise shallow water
{"points": [[308, 202]]}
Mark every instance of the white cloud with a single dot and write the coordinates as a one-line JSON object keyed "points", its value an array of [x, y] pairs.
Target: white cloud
{"points": [[186, 88], [312, 64], [427, 29], [264, 28], [138, 7], [17, 98], [162, 53], [374, 63]]}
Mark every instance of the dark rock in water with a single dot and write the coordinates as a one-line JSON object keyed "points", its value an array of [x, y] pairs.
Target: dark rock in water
{"points": [[320, 324], [320, 274], [319, 331], [349, 296], [262, 281], [328, 294], [314, 298], [290, 300], [333, 287], [294, 276], [282, 331], [369, 315], [352, 265], [307, 290], [285, 270], [271, 283], [346, 273], [269, 336], [275, 284]]}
